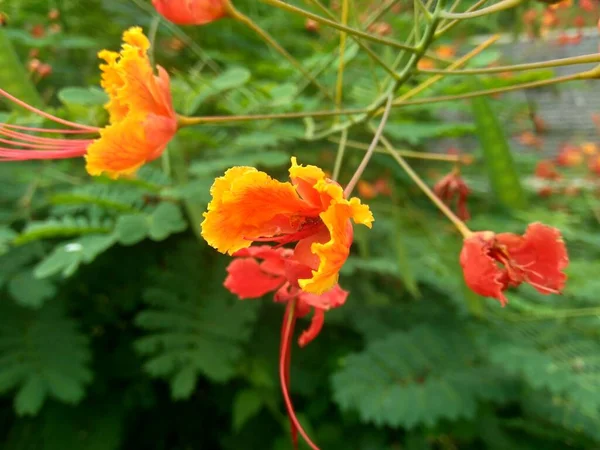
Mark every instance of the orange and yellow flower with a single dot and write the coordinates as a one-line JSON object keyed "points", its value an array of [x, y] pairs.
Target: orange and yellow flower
{"points": [[249, 206], [142, 119]]}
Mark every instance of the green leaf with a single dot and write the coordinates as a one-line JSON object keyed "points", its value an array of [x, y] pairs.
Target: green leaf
{"points": [[503, 174], [13, 77], [27, 290], [31, 396], [63, 227], [67, 257], [90, 426], [43, 354], [416, 378], [90, 96], [165, 220], [131, 228], [404, 263], [246, 405], [230, 79], [7, 235], [192, 325]]}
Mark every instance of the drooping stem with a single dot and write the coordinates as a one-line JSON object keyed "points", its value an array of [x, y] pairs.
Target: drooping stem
{"points": [[242, 18], [584, 59], [447, 26], [365, 161], [287, 329], [458, 63], [339, 156], [463, 159], [459, 224], [500, 6]]}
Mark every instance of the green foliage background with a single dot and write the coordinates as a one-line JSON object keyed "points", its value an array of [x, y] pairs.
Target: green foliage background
{"points": [[116, 332]]}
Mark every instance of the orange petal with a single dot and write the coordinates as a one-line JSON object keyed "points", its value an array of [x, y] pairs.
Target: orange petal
{"points": [[248, 204], [333, 253], [124, 146]]}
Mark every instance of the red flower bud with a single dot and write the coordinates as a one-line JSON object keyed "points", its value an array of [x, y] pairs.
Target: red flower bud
{"points": [[191, 12]]}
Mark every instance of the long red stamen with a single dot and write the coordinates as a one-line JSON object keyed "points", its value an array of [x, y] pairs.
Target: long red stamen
{"points": [[48, 130], [284, 367], [25, 137], [8, 154], [39, 112]]}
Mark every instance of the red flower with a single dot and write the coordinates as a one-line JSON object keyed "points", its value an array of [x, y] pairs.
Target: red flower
{"points": [[258, 270], [493, 262], [546, 170], [452, 187], [191, 12]]}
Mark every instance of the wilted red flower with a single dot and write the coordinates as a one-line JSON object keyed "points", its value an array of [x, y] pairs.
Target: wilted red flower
{"points": [[311, 26], [579, 21], [530, 139], [453, 188], [530, 16], [569, 156], [494, 262], [587, 5], [53, 14], [258, 270], [381, 28], [547, 170], [38, 31], [191, 12]]}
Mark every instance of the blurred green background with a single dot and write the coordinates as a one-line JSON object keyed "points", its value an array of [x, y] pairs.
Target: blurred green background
{"points": [[116, 332]]}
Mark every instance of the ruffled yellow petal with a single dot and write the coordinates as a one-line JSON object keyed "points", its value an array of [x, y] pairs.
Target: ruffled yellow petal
{"points": [[248, 204], [111, 83], [333, 253]]}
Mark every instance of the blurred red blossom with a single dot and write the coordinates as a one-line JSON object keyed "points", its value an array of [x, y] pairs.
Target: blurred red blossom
{"points": [[494, 262]]}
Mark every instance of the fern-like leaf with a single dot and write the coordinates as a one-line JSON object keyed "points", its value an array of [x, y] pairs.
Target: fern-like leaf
{"points": [[194, 326], [42, 354], [416, 378]]}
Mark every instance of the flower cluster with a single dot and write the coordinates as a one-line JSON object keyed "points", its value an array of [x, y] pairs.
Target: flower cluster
{"points": [[309, 219]]}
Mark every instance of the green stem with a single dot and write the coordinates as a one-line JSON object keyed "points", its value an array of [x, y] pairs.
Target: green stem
{"points": [[533, 84], [339, 85], [459, 224], [404, 76], [185, 121], [467, 159], [242, 18], [340, 155], [374, 56], [448, 26], [333, 24], [583, 59], [365, 161], [500, 6]]}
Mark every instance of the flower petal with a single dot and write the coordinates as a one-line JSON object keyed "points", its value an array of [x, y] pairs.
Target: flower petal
{"points": [[316, 325], [124, 146], [248, 204], [246, 279], [481, 273], [190, 12], [332, 253], [541, 254]]}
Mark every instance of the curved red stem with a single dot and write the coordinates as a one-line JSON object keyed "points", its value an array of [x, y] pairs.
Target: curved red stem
{"points": [[289, 320]]}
